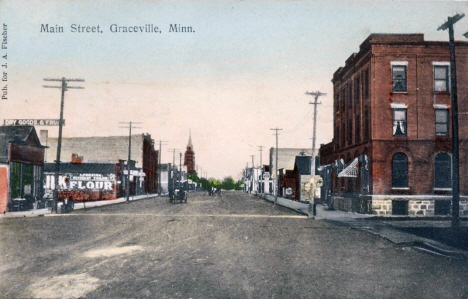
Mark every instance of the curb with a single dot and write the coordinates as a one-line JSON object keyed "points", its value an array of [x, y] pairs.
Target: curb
{"points": [[48, 213]]}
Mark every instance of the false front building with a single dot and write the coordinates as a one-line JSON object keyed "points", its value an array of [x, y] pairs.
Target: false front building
{"points": [[112, 149], [21, 168], [392, 148]]}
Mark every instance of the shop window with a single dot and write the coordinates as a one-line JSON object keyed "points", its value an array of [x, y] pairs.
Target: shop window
{"points": [[15, 180], [399, 207], [443, 171], [441, 78], [399, 122], [399, 170], [442, 207], [399, 78], [442, 122]]}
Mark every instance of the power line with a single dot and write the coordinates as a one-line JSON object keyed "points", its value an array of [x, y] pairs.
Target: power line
{"points": [[63, 87]]}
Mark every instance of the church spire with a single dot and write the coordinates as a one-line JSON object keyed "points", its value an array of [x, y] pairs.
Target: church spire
{"points": [[190, 140]]}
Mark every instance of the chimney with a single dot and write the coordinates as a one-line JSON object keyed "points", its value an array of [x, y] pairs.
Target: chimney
{"points": [[75, 159]]}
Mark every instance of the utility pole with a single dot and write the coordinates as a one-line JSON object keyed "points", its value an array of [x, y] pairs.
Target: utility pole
{"points": [[276, 164], [180, 169], [455, 139], [262, 185], [260, 150], [173, 150], [316, 95], [253, 173], [171, 187], [159, 166], [130, 125], [63, 87]]}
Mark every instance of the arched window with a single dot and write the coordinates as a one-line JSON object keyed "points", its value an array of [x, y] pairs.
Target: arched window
{"points": [[399, 170], [443, 171]]}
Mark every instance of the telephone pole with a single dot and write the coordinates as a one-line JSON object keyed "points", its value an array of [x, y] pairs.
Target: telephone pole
{"points": [[253, 173], [316, 95], [180, 170], [276, 164], [171, 182], [159, 166], [173, 150], [260, 150], [455, 139], [262, 179], [63, 87], [130, 126]]}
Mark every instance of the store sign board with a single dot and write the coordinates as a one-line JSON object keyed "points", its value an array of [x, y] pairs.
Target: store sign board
{"points": [[32, 122], [80, 182]]}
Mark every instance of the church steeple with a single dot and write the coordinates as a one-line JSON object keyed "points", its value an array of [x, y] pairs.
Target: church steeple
{"points": [[190, 140], [189, 158]]}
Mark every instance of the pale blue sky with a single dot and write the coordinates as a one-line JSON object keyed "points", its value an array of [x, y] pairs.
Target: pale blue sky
{"points": [[245, 69]]}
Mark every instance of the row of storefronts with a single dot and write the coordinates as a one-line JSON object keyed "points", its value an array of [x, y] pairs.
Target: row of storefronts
{"points": [[27, 182]]}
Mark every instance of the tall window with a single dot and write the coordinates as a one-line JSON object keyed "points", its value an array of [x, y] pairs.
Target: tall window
{"points": [[441, 78], [366, 124], [343, 134], [399, 122], [350, 94], [357, 93], [342, 100], [357, 131], [443, 171], [399, 170], [350, 131], [442, 122], [399, 78], [366, 86]]}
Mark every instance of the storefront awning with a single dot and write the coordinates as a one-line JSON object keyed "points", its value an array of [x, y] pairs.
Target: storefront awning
{"points": [[351, 170]]}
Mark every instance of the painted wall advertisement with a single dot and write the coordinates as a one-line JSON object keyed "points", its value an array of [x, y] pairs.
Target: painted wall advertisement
{"points": [[79, 182]]}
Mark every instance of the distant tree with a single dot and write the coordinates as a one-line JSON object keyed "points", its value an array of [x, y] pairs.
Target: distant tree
{"points": [[228, 183]]}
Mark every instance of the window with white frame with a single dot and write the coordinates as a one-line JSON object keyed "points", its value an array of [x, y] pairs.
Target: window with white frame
{"points": [[399, 76], [441, 122], [441, 76], [399, 122]]}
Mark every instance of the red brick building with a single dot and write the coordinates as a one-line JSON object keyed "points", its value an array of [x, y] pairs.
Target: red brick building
{"points": [[189, 157], [392, 148]]}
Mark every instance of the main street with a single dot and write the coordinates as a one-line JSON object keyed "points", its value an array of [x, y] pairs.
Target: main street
{"points": [[228, 246]]}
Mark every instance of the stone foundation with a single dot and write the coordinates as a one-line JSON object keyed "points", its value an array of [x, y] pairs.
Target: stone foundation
{"points": [[399, 205]]}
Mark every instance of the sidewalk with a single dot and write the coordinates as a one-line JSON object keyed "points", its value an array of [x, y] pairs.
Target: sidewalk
{"points": [[77, 206], [413, 233]]}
